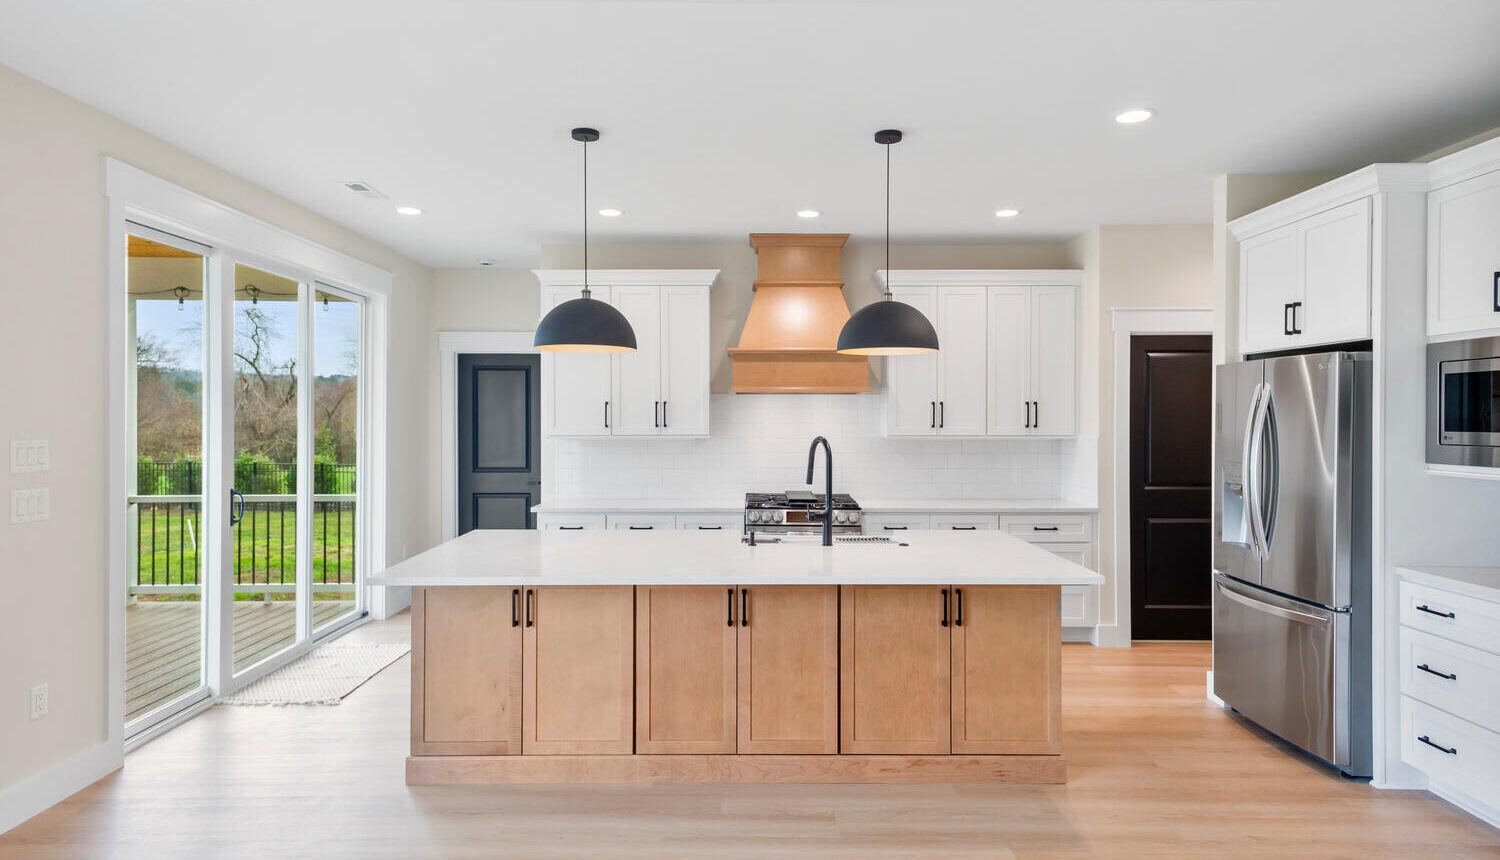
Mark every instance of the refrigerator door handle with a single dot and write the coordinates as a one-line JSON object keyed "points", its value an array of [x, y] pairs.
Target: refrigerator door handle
{"points": [[1271, 443], [1252, 460], [1270, 608]]}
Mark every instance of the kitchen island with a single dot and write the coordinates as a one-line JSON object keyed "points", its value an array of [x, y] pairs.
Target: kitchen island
{"points": [[685, 656]]}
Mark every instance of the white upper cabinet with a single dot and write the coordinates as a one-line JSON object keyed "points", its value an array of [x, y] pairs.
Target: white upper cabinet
{"points": [[1307, 282], [660, 389], [1007, 364], [1463, 255]]}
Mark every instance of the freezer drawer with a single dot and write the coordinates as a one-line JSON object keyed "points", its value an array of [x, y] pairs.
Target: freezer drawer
{"points": [[1284, 665]]}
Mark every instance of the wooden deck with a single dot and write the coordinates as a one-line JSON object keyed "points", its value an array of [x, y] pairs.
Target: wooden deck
{"points": [[164, 644]]}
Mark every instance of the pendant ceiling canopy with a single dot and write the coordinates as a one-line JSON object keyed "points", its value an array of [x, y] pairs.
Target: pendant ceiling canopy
{"points": [[585, 324]]}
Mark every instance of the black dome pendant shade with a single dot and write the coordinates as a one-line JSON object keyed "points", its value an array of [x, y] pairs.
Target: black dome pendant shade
{"points": [[887, 327], [585, 324]]}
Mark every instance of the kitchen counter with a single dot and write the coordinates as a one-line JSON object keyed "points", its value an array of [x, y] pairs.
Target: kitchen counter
{"points": [[1000, 506], [691, 558], [1480, 582]]}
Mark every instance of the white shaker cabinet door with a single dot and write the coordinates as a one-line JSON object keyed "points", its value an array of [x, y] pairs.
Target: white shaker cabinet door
{"points": [[684, 361], [577, 384], [912, 380], [962, 360], [1054, 398], [1335, 276], [1463, 256], [1269, 284], [636, 401], [1009, 365]]}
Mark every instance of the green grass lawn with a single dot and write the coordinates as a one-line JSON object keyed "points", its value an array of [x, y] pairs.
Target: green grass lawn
{"points": [[263, 545]]}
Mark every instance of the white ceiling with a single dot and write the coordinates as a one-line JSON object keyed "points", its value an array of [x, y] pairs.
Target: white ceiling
{"points": [[722, 118]]}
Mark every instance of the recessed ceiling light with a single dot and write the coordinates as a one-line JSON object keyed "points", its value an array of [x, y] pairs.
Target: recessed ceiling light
{"points": [[1134, 115], [408, 210], [808, 213], [611, 213], [1007, 213]]}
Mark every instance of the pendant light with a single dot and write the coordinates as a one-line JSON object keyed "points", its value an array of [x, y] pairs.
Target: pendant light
{"points": [[887, 327], [585, 324]]}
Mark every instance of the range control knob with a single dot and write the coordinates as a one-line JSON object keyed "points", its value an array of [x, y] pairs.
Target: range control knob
{"points": [[853, 517]]}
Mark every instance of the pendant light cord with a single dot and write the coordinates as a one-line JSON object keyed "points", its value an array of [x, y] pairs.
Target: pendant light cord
{"points": [[887, 222], [586, 291]]}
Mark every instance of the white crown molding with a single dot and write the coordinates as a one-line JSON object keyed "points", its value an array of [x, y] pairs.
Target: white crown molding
{"points": [[1365, 182], [979, 277], [1465, 164], [628, 277]]}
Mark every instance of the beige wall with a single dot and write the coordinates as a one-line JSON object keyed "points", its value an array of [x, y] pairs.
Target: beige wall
{"points": [[53, 384]]}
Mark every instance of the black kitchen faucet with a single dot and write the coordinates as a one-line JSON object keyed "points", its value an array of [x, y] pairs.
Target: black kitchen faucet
{"points": [[812, 454]]}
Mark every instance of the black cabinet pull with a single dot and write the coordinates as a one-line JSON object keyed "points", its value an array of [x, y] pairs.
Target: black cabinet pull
{"points": [[1427, 740], [1431, 671], [1028, 414], [1430, 611], [964, 528], [942, 414], [570, 528], [894, 528], [530, 608], [1295, 328], [656, 413], [945, 607], [729, 613], [1036, 415], [932, 422], [642, 528], [1286, 318], [515, 607], [1044, 528], [744, 607], [958, 618], [709, 528], [664, 414], [1495, 292], [606, 415]]}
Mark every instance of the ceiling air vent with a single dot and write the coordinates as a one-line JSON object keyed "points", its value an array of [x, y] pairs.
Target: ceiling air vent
{"points": [[363, 189]]}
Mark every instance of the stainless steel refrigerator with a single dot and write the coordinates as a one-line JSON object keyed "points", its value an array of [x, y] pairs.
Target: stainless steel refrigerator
{"points": [[1291, 525]]}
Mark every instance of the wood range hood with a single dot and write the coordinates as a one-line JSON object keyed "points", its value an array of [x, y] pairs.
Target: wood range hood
{"points": [[787, 346]]}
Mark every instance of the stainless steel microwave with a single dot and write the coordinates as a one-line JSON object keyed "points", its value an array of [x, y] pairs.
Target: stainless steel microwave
{"points": [[1463, 402]]}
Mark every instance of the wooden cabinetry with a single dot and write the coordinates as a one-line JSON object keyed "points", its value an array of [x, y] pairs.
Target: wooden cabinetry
{"points": [[894, 663], [1007, 677], [660, 389], [578, 670], [685, 698], [789, 669], [468, 699], [1463, 258]]}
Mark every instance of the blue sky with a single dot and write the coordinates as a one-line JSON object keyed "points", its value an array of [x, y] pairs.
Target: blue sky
{"points": [[180, 329]]}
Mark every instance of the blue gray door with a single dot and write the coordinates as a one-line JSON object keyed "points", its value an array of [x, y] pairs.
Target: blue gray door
{"points": [[499, 441]]}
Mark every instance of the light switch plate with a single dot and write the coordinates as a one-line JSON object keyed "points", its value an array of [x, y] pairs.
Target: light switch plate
{"points": [[30, 455], [30, 506]]}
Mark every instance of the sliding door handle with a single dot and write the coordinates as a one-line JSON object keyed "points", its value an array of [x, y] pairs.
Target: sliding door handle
{"points": [[236, 506]]}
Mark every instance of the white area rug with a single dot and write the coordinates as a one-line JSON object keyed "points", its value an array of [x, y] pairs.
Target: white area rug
{"points": [[323, 677]]}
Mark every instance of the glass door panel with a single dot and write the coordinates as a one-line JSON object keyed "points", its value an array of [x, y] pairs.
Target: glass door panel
{"points": [[164, 613], [336, 322], [267, 362]]}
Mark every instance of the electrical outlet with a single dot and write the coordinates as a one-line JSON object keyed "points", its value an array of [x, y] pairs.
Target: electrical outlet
{"points": [[30, 506], [30, 455], [39, 701]]}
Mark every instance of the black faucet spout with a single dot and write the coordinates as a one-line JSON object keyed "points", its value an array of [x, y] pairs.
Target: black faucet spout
{"points": [[812, 455]]}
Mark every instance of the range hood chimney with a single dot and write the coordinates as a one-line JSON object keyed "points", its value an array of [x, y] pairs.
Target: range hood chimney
{"points": [[787, 346]]}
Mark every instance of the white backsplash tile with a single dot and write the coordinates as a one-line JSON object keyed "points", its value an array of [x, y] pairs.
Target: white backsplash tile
{"points": [[759, 442]]}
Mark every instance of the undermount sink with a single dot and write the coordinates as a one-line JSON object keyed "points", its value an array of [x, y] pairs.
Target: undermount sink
{"points": [[815, 540]]}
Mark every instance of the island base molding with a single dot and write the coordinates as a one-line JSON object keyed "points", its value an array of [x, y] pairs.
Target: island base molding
{"points": [[854, 769]]}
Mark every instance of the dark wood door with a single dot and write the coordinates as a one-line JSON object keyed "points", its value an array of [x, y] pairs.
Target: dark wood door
{"points": [[499, 441], [1171, 416]]}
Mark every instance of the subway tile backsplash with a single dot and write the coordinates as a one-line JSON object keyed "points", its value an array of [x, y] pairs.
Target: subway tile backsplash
{"points": [[759, 442]]}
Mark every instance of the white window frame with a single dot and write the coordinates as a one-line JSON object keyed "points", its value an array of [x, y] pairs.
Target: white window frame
{"points": [[135, 196]]}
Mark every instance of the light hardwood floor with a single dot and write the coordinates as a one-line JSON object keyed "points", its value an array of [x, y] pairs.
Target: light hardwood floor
{"points": [[1154, 770]]}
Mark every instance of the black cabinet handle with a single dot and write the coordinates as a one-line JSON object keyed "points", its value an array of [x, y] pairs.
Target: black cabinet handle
{"points": [[709, 528], [1427, 740], [942, 414], [744, 607], [945, 607], [1431, 671], [515, 607], [932, 422], [642, 528], [1495, 292], [964, 528], [664, 414], [1036, 415], [530, 608], [729, 613], [1295, 328], [656, 413], [606, 415], [894, 528], [1044, 528], [1286, 318], [1430, 611], [570, 528], [958, 619], [1028, 414]]}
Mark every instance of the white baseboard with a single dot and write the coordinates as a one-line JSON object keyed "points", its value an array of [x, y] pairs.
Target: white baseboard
{"points": [[1488, 814], [1210, 690], [46, 788], [1111, 636], [1078, 634]]}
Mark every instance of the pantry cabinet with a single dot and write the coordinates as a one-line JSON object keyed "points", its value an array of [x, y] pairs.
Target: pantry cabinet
{"points": [[660, 389], [1007, 365]]}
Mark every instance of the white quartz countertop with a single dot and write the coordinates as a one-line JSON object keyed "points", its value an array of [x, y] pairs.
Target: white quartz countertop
{"points": [[999, 506], [1481, 582], [537, 558]]}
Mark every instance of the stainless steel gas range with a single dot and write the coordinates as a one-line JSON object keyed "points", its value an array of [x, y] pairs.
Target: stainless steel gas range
{"points": [[800, 512]]}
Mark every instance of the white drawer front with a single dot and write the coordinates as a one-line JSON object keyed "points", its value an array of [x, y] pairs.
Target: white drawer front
{"points": [[732, 523], [1456, 678], [1038, 528], [965, 522], [1080, 606], [879, 524], [569, 522], [642, 522], [1452, 616], [1451, 751]]}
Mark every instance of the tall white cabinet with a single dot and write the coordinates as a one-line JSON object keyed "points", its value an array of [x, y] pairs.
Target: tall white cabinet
{"points": [[660, 389], [1463, 254], [1008, 362]]}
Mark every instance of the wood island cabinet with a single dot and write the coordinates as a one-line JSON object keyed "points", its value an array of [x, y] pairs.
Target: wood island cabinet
{"points": [[685, 669], [1007, 677], [579, 670], [789, 669], [894, 667], [466, 671]]}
